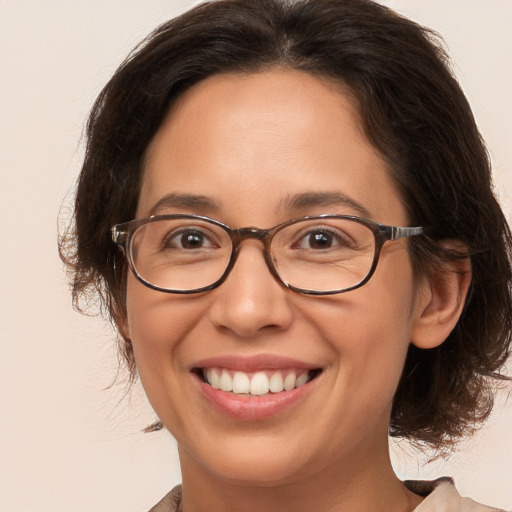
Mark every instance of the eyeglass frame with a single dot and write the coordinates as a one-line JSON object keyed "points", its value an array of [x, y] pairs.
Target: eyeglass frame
{"points": [[122, 235]]}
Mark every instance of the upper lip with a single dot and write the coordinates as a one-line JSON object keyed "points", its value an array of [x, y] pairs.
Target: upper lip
{"points": [[254, 363]]}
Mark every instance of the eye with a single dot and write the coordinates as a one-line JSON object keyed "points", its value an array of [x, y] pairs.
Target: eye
{"points": [[188, 238], [322, 239], [319, 240]]}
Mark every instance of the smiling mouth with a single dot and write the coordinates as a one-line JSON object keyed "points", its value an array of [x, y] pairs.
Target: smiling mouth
{"points": [[255, 384]]}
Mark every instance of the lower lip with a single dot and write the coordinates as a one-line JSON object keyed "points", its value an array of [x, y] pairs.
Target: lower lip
{"points": [[258, 408]]}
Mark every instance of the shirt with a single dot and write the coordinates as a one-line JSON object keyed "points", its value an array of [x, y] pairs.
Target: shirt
{"points": [[442, 496]]}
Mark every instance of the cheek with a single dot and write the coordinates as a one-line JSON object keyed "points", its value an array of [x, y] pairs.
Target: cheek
{"points": [[367, 332], [385, 326], [156, 324], [369, 329], [388, 310]]}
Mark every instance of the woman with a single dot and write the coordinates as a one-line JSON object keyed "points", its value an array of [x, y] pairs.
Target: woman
{"points": [[310, 253]]}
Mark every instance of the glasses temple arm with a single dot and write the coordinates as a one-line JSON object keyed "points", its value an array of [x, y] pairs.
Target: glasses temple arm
{"points": [[398, 232], [118, 237]]}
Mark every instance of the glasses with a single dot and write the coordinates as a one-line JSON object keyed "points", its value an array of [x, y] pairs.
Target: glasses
{"points": [[318, 255]]}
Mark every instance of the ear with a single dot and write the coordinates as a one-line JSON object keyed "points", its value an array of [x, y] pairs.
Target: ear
{"points": [[440, 301]]}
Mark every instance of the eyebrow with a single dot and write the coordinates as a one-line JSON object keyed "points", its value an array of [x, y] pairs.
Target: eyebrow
{"points": [[298, 202], [330, 198], [189, 201]]}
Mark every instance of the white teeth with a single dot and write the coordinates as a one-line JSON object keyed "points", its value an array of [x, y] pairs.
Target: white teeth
{"points": [[301, 379], [215, 379], [241, 383], [289, 381], [276, 383], [259, 384], [226, 382]]}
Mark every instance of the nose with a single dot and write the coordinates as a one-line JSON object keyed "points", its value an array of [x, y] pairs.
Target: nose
{"points": [[251, 301]]}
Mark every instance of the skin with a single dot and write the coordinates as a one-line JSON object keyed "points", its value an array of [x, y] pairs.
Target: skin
{"points": [[249, 143]]}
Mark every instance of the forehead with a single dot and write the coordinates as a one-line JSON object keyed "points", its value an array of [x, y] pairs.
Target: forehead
{"points": [[250, 142]]}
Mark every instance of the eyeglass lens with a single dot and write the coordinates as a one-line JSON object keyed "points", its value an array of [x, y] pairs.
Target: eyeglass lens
{"points": [[185, 254]]}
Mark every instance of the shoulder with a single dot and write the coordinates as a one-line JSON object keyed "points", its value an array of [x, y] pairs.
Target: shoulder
{"points": [[170, 502], [442, 496]]}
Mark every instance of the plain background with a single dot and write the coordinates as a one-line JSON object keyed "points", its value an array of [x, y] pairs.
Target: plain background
{"points": [[67, 444]]}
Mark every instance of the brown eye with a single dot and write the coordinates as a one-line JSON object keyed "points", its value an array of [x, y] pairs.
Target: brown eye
{"points": [[188, 239], [191, 240], [319, 240], [322, 239]]}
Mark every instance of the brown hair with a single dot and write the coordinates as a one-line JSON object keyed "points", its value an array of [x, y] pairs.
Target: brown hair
{"points": [[413, 111]]}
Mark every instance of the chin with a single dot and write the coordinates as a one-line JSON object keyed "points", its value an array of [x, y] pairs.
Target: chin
{"points": [[259, 462]]}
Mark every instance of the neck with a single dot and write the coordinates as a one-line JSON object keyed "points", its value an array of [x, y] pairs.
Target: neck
{"points": [[365, 482]]}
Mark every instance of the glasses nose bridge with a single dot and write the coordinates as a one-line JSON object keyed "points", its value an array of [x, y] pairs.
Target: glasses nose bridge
{"points": [[262, 235], [241, 234]]}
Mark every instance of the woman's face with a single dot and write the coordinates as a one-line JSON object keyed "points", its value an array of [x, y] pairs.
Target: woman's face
{"points": [[246, 149]]}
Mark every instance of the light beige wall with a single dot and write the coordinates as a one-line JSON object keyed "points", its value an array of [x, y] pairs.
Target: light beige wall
{"points": [[67, 445]]}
